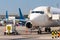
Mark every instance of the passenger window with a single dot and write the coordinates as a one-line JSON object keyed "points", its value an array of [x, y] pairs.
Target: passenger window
{"points": [[41, 12]]}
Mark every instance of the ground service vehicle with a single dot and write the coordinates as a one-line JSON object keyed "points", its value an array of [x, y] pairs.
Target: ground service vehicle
{"points": [[10, 28]]}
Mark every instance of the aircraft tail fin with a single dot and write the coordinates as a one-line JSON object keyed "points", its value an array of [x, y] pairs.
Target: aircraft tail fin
{"points": [[21, 15], [6, 14]]}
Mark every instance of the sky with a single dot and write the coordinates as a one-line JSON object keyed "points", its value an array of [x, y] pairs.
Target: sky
{"points": [[26, 5]]}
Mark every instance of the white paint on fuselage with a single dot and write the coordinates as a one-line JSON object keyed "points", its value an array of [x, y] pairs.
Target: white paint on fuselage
{"points": [[39, 19]]}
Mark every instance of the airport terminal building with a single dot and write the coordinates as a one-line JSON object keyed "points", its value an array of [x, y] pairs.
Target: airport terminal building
{"points": [[4, 16], [15, 15]]}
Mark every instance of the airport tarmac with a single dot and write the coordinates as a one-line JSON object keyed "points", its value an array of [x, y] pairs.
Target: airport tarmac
{"points": [[25, 35], [28, 37]]}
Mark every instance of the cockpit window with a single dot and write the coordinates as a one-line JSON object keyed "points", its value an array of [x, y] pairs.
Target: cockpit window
{"points": [[41, 12]]}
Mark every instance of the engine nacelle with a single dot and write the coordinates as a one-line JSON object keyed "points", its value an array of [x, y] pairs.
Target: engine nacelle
{"points": [[28, 25]]}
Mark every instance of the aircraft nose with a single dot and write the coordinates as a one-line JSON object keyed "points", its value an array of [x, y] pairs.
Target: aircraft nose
{"points": [[33, 16]]}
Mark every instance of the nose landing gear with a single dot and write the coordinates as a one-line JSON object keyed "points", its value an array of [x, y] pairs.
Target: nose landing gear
{"points": [[39, 31]]}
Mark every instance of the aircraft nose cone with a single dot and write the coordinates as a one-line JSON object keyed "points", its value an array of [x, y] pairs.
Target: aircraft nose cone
{"points": [[33, 16]]}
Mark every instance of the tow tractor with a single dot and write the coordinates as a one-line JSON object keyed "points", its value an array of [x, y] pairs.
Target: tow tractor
{"points": [[10, 28]]}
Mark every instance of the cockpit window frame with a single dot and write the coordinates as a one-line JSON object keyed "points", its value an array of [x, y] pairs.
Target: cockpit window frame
{"points": [[41, 12]]}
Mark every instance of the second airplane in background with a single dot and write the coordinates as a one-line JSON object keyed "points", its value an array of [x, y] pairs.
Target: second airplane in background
{"points": [[22, 19]]}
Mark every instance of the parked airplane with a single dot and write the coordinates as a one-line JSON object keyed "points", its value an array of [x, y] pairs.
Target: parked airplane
{"points": [[3, 20], [22, 19], [43, 16]]}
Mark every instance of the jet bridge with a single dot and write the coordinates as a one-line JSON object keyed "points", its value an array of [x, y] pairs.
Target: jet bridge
{"points": [[55, 16]]}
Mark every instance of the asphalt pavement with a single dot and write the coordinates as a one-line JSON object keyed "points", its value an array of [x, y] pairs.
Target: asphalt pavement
{"points": [[25, 35]]}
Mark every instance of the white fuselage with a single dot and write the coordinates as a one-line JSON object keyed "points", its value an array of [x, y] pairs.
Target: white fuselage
{"points": [[39, 20], [42, 19]]}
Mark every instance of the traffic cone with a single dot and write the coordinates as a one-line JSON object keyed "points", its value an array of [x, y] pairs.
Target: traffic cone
{"points": [[27, 31]]}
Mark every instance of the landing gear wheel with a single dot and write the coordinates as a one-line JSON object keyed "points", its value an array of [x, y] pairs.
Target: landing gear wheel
{"points": [[48, 29], [4, 33], [45, 29], [39, 31], [15, 33]]}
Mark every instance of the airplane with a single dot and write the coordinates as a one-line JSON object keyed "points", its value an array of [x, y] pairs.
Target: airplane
{"points": [[22, 19], [43, 17], [3, 20]]}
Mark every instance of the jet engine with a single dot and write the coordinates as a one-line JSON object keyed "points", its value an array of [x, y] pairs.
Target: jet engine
{"points": [[29, 25]]}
